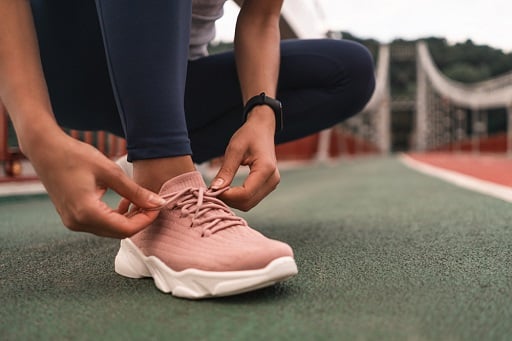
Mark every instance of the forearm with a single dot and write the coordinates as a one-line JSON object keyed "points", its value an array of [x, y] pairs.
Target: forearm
{"points": [[257, 41], [22, 86]]}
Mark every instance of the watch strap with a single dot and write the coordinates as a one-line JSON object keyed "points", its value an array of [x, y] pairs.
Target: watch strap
{"points": [[274, 104]]}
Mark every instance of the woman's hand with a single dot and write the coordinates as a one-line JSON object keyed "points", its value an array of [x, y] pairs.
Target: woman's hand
{"points": [[76, 176], [257, 47], [252, 145]]}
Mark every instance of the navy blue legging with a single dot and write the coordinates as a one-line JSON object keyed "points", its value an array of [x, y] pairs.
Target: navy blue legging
{"points": [[121, 66]]}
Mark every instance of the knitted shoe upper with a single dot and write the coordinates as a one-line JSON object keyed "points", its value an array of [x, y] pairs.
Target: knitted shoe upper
{"points": [[197, 230]]}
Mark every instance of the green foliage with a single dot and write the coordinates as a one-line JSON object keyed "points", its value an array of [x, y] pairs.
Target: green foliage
{"points": [[466, 72], [467, 62], [463, 62]]}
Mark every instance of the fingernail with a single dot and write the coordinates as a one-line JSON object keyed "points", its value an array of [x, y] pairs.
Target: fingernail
{"points": [[217, 183], [156, 200]]}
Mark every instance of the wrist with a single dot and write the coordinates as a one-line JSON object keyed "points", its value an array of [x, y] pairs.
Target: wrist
{"points": [[33, 135], [262, 116], [262, 100]]}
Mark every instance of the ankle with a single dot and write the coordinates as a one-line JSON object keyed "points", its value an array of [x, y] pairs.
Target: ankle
{"points": [[153, 173]]}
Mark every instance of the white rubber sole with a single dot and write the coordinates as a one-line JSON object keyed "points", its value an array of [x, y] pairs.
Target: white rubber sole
{"points": [[196, 284]]}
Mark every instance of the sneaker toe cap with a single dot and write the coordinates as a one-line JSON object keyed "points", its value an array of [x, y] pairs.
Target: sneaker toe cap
{"points": [[260, 256]]}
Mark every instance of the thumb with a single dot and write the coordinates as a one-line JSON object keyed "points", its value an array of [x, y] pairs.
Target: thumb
{"points": [[227, 171], [127, 188]]}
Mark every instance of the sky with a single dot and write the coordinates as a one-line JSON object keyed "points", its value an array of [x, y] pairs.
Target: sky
{"points": [[483, 21]]}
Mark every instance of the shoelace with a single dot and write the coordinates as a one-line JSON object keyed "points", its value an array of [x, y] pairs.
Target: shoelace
{"points": [[200, 202]]}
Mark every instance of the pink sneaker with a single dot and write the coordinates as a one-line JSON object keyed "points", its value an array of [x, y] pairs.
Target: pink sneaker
{"points": [[198, 248]]}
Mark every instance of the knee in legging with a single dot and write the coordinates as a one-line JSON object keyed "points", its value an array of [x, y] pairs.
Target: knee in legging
{"points": [[358, 81]]}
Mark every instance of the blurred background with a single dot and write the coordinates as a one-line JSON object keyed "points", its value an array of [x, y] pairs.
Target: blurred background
{"points": [[444, 79], [443, 70]]}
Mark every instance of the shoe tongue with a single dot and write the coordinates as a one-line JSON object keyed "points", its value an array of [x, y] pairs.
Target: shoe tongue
{"points": [[186, 180]]}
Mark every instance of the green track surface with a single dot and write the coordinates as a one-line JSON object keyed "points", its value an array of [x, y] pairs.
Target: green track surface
{"points": [[384, 253]]}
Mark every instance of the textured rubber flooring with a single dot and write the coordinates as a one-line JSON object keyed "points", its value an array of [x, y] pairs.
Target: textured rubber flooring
{"points": [[384, 253]]}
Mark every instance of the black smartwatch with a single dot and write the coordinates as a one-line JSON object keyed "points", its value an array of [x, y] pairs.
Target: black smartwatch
{"points": [[273, 103]]}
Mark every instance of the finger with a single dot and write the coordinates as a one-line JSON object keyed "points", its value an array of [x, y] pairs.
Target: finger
{"points": [[101, 220], [262, 178], [251, 192], [127, 188], [124, 206], [232, 160], [121, 226]]}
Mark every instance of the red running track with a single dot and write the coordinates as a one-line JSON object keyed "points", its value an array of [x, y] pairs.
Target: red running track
{"points": [[490, 167]]}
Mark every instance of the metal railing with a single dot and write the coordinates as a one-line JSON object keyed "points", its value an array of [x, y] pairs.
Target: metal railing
{"points": [[441, 104]]}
